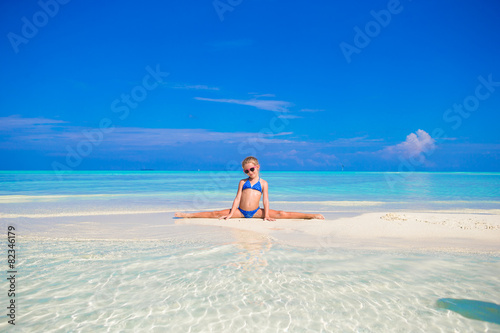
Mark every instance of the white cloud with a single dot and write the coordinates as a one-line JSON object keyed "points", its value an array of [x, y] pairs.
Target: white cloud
{"points": [[16, 122], [321, 159], [358, 141], [286, 155], [156, 137], [312, 110], [262, 95], [34, 133], [305, 157], [415, 144], [194, 87], [269, 105]]}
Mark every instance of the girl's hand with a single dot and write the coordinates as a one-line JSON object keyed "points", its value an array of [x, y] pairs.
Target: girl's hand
{"points": [[267, 218], [226, 217]]}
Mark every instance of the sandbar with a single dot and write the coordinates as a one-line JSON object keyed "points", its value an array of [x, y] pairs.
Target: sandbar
{"points": [[442, 230]]}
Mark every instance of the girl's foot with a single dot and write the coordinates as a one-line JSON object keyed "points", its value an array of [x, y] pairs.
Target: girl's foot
{"points": [[319, 217], [182, 215]]}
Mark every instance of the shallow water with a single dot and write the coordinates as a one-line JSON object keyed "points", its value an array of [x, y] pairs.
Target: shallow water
{"points": [[229, 280], [245, 286]]}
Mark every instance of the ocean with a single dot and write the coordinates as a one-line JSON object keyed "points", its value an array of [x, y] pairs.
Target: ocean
{"points": [[72, 276], [42, 193]]}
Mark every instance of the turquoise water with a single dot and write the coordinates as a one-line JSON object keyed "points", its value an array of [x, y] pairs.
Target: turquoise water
{"points": [[44, 192], [235, 281], [366, 186]]}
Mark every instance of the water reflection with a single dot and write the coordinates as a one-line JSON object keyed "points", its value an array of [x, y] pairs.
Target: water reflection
{"points": [[254, 246]]}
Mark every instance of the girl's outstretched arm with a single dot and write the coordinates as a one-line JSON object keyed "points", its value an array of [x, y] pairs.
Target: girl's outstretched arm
{"points": [[236, 201], [265, 199]]}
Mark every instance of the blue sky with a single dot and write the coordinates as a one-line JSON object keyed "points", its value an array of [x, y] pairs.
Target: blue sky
{"points": [[187, 85]]}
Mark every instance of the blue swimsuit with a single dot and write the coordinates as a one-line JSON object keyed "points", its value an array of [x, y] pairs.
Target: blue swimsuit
{"points": [[250, 213]]}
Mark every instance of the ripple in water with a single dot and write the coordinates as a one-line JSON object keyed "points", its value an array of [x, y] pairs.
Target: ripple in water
{"points": [[248, 286]]}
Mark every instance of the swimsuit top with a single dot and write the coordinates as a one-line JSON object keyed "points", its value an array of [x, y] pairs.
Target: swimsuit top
{"points": [[256, 186]]}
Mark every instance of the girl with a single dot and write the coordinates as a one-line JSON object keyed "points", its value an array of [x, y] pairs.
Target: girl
{"points": [[246, 203]]}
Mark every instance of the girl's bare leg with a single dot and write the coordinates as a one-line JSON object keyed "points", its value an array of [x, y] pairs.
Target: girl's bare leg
{"points": [[211, 214], [279, 214]]}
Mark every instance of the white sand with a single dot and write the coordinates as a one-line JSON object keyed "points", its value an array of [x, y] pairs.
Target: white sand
{"points": [[449, 230], [469, 232]]}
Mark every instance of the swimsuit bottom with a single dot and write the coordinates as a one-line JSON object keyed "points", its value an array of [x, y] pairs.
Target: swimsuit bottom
{"points": [[248, 213]]}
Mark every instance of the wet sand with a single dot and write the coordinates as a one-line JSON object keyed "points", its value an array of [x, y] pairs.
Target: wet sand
{"points": [[453, 230]]}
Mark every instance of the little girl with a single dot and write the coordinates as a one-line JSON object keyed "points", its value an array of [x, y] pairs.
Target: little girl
{"points": [[246, 203]]}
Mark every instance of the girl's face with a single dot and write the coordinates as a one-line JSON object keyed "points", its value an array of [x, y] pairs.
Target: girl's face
{"points": [[251, 169]]}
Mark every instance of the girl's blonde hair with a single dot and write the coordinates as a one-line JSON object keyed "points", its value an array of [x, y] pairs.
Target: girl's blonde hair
{"points": [[250, 159]]}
